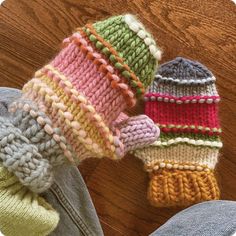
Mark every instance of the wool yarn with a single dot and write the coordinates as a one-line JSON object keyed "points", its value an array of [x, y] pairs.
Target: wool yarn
{"points": [[23, 212], [183, 102], [72, 108], [7, 95]]}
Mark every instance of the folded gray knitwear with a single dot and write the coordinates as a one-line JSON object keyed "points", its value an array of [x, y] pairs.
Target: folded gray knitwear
{"points": [[7, 96]]}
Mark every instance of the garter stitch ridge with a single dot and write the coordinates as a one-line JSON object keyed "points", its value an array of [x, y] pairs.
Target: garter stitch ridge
{"points": [[183, 102]]}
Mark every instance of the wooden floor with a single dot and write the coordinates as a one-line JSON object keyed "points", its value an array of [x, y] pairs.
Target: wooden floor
{"points": [[30, 34]]}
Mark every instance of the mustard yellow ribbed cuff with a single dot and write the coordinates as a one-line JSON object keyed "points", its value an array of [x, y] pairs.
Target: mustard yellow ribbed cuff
{"points": [[181, 187]]}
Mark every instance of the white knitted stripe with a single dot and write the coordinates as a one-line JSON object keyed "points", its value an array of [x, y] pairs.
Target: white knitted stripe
{"points": [[179, 154], [185, 81], [194, 142], [139, 29]]}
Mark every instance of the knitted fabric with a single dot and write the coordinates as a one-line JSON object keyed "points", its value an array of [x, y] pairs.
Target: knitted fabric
{"points": [[72, 106], [183, 102], [21, 211], [27, 153], [7, 95]]}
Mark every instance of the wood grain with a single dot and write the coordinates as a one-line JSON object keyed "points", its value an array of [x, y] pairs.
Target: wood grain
{"points": [[30, 34]]}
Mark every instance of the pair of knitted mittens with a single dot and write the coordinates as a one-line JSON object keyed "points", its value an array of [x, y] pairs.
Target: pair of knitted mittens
{"points": [[72, 110], [183, 102]]}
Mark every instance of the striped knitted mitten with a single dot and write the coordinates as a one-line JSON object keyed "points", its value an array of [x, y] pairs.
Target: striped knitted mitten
{"points": [[73, 106], [182, 101]]}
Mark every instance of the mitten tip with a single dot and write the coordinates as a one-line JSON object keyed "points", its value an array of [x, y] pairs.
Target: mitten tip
{"points": [[153, 129], [137, 27]]}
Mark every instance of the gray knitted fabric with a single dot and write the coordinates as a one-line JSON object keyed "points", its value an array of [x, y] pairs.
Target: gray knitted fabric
{"points": [[7, 96], [31, 129], [192, 73], [181, 90], [25, 148], [23, 158]]}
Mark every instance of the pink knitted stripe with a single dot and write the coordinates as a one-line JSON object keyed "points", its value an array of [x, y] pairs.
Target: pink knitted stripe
{"points": [[103, 65], [184, 98], [198, 114], [68, 55], [84, 76], [77, 147]]}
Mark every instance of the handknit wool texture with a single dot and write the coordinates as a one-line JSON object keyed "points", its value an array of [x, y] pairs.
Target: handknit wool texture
{"points": [[183, 102], [7, 95], [72, 105], [21, 211]]}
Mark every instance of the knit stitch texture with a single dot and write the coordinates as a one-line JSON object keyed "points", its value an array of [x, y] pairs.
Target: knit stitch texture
{"points": [[71, 109], [183, 102], [23, 212]]}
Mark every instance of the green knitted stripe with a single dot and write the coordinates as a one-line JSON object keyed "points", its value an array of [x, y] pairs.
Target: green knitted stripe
{"points": [[104, 50], [168, 136], [170, 126], [129, 46]]}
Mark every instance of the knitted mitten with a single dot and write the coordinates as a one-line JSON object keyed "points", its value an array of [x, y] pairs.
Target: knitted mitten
{"points": [[22, 212], [182, 101], [73, 106]]}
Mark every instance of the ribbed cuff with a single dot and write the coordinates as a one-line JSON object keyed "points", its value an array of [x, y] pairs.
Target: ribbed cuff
{"points": [[181, 187]]}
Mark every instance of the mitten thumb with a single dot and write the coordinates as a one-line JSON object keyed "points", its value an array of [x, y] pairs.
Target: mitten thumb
{"points": [[134, 132]]}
